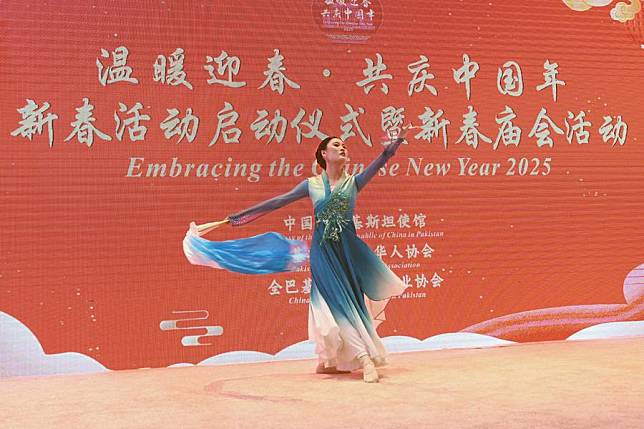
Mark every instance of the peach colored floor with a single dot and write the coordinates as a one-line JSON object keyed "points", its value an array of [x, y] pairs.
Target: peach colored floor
{"points": [[589, 384]]}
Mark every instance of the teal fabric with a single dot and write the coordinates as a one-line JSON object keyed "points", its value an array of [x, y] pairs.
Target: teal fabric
{"points": [[346, 269]]}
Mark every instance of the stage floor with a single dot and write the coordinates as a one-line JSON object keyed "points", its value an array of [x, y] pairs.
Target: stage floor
{"points": [[571, 384]]}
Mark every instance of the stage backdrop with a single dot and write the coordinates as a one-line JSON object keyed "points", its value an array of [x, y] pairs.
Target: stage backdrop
{"points": [[514, 213]]}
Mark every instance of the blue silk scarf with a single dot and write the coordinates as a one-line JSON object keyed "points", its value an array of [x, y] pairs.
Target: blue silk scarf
{"points": [[261, 254]]}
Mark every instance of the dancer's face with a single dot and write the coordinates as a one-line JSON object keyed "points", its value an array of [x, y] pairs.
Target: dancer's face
{"points": [[336, 152]]}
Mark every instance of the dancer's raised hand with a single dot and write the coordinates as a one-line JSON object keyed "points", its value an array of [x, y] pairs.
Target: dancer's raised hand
{"points": [[403, 131]]}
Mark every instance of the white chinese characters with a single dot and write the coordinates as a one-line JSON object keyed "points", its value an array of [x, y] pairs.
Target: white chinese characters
{"points": [[119, 71], [34, 120]]}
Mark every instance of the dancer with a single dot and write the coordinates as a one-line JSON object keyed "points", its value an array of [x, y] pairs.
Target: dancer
{"points": [[350, 284]]}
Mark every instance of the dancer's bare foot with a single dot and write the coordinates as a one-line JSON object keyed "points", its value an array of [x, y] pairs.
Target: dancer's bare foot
{"points": [[321, 369], [369, 373]]}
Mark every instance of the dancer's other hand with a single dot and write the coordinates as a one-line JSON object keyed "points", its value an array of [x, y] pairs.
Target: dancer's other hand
{"points": [[205, 228]]}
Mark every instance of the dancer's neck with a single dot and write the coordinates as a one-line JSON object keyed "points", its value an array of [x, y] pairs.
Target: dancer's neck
{"points": [[334, 173]]}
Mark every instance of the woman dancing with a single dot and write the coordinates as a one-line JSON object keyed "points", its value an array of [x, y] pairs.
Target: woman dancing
{"points": [[350, 284]]}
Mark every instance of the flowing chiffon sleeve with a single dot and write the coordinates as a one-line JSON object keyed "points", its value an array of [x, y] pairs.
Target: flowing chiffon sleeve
{"points": [[270, 252], [364, 177], [250, 214]]}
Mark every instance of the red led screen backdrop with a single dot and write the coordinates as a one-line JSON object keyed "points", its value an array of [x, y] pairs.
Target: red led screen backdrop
{"points": [[514, 213]]}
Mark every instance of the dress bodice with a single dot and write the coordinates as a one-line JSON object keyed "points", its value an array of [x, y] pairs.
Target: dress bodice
{"points": [[344, 190]]}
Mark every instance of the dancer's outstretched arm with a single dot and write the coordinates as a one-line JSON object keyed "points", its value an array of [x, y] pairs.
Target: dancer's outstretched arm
{"points": [[365, 176], [258, 210]]}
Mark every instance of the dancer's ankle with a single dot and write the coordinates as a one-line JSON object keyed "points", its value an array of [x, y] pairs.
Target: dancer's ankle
{"points": [[365, 359], [369, 373]]}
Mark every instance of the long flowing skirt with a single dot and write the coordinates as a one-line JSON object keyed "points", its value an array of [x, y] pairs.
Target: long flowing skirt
{"points": [[350, 289]]}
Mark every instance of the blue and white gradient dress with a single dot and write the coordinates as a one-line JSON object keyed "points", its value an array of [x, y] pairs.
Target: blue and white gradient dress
{"points": [[350, 284]]}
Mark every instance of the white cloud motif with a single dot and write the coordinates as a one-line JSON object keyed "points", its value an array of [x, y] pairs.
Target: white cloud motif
{"points": [[395, 344], [610, 330], [598, 3], [22, 355], [622, 11], [582, 5], [402, 344]]}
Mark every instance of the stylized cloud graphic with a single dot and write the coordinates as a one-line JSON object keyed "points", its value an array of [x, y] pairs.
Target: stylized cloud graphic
{"points": [[622, 11], [583, 5], [21, 354], [192, 340], [395, 344], [401, 344], [610, 330]]}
